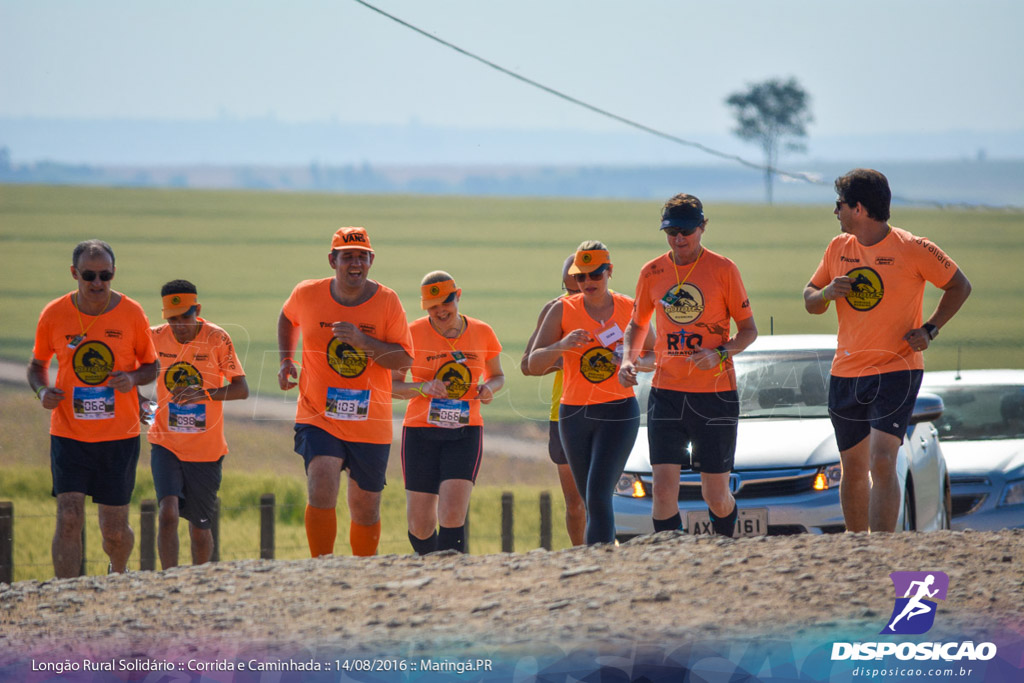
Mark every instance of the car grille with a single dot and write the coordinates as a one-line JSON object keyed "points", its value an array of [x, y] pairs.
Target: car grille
{"points": [[752, 488]]}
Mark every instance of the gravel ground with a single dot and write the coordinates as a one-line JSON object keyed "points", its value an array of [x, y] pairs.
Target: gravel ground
{"points": [[666, 586]]}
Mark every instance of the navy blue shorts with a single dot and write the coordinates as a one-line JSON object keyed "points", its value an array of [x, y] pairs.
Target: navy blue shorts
{"points": [[555, 450], [104, 470], [431, 455], [692, 429], [884, 402], [367, 463], [194, 484]]}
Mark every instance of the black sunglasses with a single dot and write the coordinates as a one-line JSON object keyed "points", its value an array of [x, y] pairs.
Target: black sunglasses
{"points": [[595, 274], [685, 232], [90, 275], [840, 202]]}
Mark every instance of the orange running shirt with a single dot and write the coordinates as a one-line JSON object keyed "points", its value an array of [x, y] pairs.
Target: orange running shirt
{"points": [[196, 433], [117, 340], [885, 304], [699, 317], [591, 375], [341, 390], [438, 357]]}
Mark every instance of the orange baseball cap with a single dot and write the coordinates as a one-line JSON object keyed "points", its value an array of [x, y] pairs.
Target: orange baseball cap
{"points": [[351, 238], [176, 304], [437, 293], [589, 260]]}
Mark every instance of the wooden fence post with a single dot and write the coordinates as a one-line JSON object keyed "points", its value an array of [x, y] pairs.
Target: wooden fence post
{"points": [[81, 567], [215, 528], [507, 523], [267, 526], [147, 535], [545, 520], [6, 542]]}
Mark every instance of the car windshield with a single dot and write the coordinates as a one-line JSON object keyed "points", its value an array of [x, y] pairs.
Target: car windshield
{"points": [[774, 384], [978, 413], [789, 384]]}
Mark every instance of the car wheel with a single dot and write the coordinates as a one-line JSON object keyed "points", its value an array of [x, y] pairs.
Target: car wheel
{"points": [[909, 522]]}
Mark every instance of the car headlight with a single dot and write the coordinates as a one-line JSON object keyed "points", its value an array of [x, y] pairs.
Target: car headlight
{"points": [[1013, 494], [828, 477], [630, 485]]}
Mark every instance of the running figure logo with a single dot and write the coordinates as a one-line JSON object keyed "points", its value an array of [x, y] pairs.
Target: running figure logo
{"points": [[914, 613]]}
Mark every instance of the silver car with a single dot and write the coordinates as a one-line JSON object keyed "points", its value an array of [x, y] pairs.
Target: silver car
{"points": [[982, 435], [787, 472]]}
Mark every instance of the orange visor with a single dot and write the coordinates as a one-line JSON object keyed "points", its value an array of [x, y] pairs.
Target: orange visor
{"points": [[588, 261], [176, 304], [437, 293]]}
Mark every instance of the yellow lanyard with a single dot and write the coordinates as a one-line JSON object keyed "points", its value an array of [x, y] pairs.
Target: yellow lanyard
{"points": [[680, 283], [81, 324]]}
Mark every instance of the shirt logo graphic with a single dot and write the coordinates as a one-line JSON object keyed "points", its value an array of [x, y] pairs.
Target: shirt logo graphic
{"points": [[867, 291], [914, 612], [688, 303], [93, 362], [597, 364], [345, 359], [182, 375], [456, 377]]}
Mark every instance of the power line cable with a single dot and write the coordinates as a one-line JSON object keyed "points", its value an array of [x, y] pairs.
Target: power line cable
{"points": [[661, 134]]}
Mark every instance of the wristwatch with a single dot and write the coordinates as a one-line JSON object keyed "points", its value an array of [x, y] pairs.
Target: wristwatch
{"points": [[931, 330]]}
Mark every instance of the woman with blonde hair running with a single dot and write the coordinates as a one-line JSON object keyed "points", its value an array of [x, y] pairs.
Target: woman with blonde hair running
{"points": [[598, 418]]}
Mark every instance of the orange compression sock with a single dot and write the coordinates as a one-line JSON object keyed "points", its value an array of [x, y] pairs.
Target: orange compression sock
{"points": [[321, 529], [364, 539]]}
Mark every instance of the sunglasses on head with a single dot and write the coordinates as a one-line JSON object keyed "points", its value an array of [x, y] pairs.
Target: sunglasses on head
{"points": [[595, 274], [685, 232], [90, 275]]}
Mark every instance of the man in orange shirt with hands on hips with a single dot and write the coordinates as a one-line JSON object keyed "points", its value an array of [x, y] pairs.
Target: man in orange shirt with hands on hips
{"points": [[101, 340], [354, 333], [876, 275]]}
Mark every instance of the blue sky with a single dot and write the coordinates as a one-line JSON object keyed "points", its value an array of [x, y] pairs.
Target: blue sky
{"points": [[870, 67]]}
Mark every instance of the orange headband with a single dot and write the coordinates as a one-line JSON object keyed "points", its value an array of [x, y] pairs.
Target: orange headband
{"points": [[176, 304], [436, 293], [590, 260]]}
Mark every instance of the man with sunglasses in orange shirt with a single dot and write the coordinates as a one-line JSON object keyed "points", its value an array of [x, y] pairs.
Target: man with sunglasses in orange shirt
{"points": [[694, 294], [103, 348]]}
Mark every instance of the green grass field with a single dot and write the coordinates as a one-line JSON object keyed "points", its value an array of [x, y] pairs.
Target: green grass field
{"points": [[246, 250]]}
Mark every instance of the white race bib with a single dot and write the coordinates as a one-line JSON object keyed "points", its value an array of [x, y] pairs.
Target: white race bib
{"points": [[448, 413], [347, 404], [190, 419], [93, 403]]}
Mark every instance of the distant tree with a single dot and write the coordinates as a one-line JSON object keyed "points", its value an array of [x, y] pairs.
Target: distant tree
{"points": [[767, 113]]}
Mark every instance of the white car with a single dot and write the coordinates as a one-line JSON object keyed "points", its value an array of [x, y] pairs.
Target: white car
{"points": [[787, 472], [982, 435]]}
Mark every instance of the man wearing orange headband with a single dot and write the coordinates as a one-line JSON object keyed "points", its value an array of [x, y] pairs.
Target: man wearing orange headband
{"points": [[695, 296], [187, 435], [101, 340], [354, 333]]}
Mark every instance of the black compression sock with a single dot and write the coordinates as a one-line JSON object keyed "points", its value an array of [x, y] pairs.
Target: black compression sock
{"points": [[452, 538], [724, 526], [422, 546], [673, 523]]}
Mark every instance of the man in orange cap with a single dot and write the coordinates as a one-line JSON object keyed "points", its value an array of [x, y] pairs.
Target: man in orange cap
{"points": [[354, 333], [187, 435], [101, 340]]}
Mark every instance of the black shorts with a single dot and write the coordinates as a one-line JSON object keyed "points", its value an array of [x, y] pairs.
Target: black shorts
{"points": [[367, 463], [195, 484], [706, 422], [884, 402], [104, 470], [431, 455], [555, 450]]}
